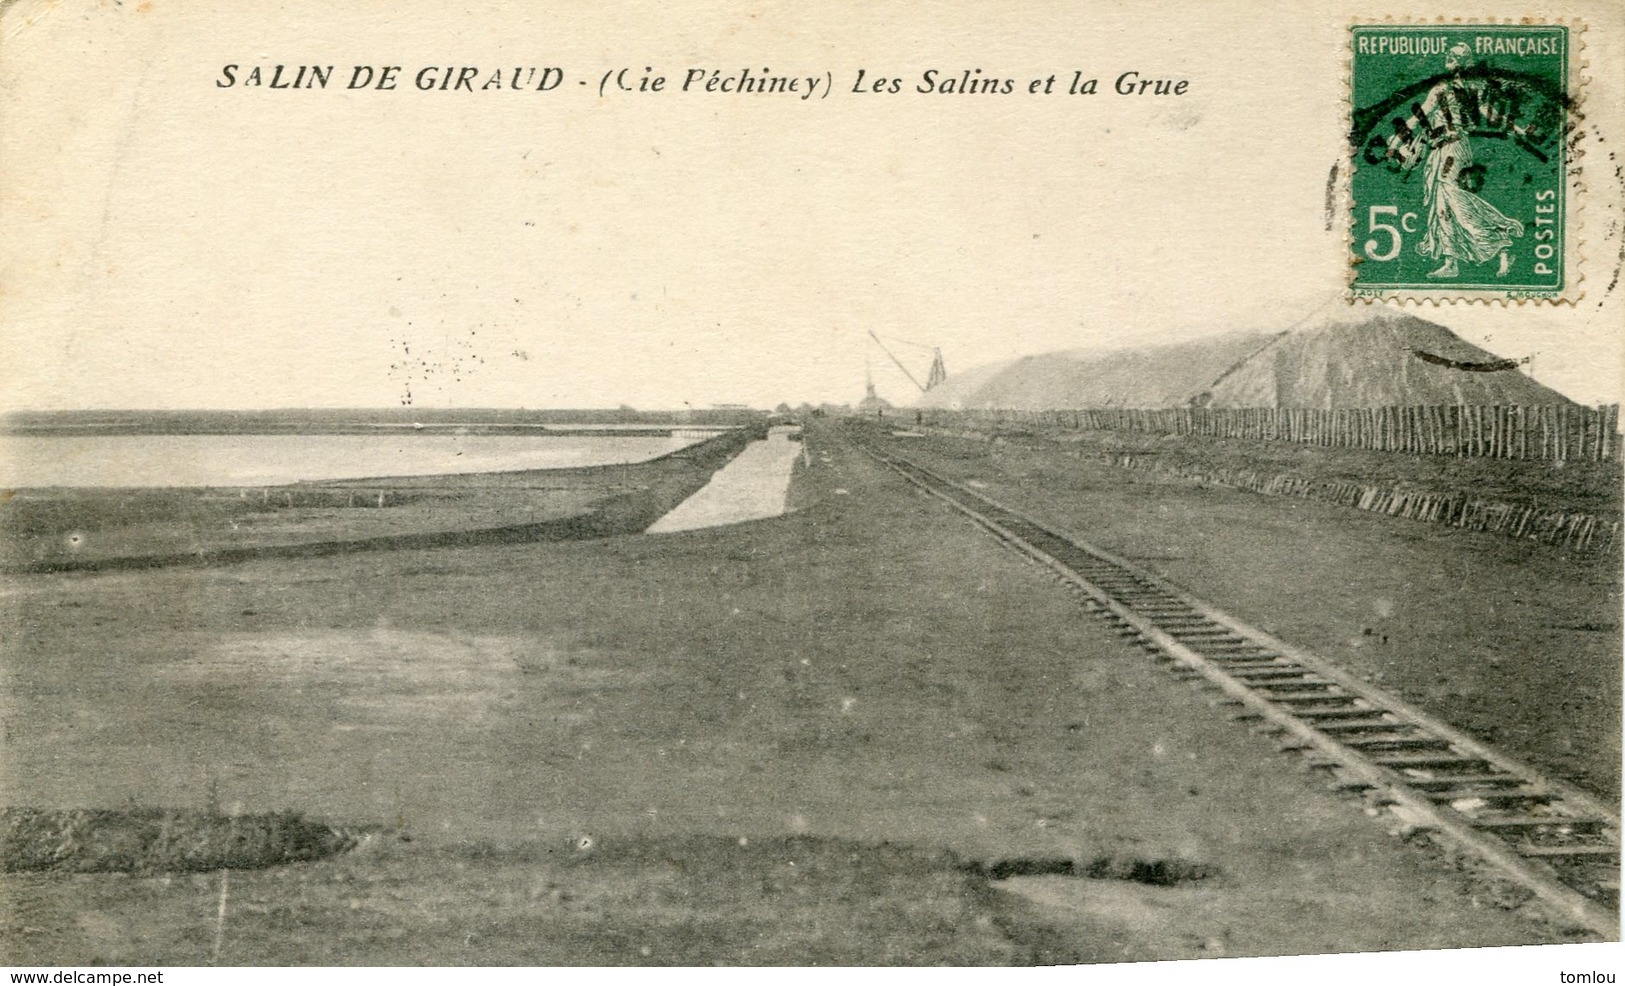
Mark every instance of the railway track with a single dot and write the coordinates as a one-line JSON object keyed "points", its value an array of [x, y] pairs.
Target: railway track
{"points": [[1556, 841]]}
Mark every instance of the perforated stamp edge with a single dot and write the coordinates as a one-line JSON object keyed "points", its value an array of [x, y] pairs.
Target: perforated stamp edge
{"points": [[1575, 190]]}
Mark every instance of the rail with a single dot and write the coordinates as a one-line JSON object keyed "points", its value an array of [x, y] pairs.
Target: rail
{"points": [[1558, 842]]}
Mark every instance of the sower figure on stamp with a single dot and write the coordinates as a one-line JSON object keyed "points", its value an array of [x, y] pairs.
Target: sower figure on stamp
{"points": [[1461, 226]]}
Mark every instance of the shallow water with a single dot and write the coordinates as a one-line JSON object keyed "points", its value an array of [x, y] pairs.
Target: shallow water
{"points": [[256, 460], [753, 486]]}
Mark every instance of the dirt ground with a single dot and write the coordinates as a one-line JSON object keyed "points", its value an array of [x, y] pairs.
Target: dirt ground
{"points": [[1572, 485], [1515, 642], [810, 740]]}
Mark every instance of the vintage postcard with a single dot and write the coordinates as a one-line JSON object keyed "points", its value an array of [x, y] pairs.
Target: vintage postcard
{"points": [[1121, 484]]}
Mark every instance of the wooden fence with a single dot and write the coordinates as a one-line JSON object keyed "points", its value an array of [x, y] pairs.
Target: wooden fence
{"points": [[1504, 431]]}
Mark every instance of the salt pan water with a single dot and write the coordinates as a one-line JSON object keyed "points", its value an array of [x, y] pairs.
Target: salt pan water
{"points": [[263, 460]]}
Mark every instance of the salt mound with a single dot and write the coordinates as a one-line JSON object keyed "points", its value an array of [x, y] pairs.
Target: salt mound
{"points": [[1376, 360], [1387, 359], [1150, 376]]}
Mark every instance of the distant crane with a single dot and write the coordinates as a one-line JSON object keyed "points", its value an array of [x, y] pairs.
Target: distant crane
{"points": [[938, 372]]}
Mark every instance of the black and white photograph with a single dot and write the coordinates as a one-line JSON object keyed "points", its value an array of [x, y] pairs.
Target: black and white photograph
{"points": [[718, 484]]}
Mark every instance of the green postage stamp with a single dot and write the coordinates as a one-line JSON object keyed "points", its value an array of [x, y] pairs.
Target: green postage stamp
{"points": [[1461, 183]]}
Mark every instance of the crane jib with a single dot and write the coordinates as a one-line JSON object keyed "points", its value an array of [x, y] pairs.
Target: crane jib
{"points": [[937, 374]]}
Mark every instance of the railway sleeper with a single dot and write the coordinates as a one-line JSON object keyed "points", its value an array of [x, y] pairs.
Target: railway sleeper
{"points": [[1094, 572], [1577, 823], [1095, 569], [1357, 728], [1312, 698], [1126, 587], [1269, 673], [1492, 790], [1376, 739], [1316, 716], [1197, 642], [1136, 603], [1492, 797], [1577, 849], [1269, 684], [1397, 744], [1305, 684], [1407, 761]]}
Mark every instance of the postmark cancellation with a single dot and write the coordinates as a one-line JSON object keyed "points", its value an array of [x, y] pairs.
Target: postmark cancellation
{"points": [[1463, 184]]}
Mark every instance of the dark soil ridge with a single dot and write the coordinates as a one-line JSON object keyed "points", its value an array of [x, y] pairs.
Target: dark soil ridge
{"points": [[1171, 872], [1574, 530], [701, 852], [158, 840], [628, 513]]}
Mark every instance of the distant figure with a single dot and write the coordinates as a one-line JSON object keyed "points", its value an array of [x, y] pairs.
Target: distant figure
{"points": [[1461, 226]]}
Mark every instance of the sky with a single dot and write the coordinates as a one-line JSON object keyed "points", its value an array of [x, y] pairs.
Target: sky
{"points": [[168, 242]]}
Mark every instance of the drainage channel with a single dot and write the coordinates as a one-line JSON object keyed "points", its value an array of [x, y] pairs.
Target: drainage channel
{"points": [[1556, 841]]}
